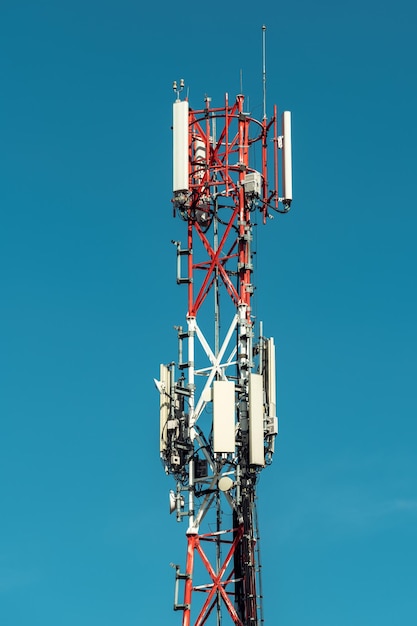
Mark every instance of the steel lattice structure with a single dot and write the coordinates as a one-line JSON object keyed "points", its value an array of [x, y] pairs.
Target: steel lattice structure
{"points": [[218, 417]]}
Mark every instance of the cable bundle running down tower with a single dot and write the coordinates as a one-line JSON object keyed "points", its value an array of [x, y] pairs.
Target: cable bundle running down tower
{"points": [[218, 417]]}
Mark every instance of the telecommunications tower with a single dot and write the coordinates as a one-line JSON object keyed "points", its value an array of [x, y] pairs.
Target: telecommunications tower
{"points": [[218, 419]]}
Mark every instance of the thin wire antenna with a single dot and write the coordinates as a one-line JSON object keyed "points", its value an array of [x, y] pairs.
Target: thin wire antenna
{"points": [[264, 67], [241, 80]]}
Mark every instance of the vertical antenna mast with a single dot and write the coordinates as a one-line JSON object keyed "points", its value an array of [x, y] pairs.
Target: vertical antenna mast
{"points": [[264, 68], [218, 419]]}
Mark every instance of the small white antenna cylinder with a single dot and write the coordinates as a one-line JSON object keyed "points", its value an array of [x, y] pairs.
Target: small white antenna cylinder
{"points": [[180, 145], [199, 159], [286, 158]]}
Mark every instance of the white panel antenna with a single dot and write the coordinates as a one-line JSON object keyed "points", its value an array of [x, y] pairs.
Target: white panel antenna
{"points": [[271, 425], [271, 378], [256, 420], [180, 146], [224, 415], [286, 158]]}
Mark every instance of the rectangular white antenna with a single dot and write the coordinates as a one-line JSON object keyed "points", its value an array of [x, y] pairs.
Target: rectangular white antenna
{"points": [[286, 158], [224, 412], [271, 378], [256, 420], [180, 145]]}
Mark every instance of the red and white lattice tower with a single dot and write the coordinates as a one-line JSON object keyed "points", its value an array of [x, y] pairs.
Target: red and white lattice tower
{"points": [[218, 417]]}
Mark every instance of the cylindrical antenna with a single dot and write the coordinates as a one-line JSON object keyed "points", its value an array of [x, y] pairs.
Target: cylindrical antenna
{"points": [[264, 66]]}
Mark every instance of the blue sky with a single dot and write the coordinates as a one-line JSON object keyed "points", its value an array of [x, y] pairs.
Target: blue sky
{"points": [[89, 301]]}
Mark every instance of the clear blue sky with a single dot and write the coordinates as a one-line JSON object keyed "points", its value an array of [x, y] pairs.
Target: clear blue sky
{"points": [[88, 302]]}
